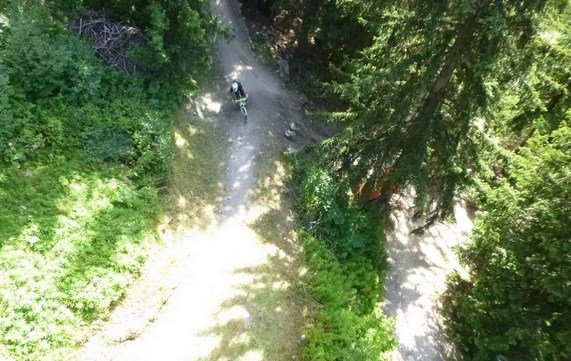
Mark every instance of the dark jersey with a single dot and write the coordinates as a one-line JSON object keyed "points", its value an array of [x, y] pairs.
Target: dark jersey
{"points": [[240, 93]]}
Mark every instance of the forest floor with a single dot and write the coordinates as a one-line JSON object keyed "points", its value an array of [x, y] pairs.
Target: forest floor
{"points": [[219, 286]]}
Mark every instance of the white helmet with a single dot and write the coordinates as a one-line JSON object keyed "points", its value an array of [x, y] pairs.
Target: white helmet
{"points": [[235, 86]]}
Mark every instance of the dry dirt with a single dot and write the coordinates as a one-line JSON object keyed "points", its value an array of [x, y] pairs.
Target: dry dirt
{"points": [[418, 266]]}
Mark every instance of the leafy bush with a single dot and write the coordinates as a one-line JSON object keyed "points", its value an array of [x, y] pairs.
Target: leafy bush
{"points": [[109, 144], [81, 147], [262, 46], [44, 59], [345, 268], [58, 98], [181, 32], [348, 326]]}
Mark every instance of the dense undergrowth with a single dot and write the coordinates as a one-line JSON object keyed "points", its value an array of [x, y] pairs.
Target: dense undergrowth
{"points": [[83, 152], [346, 266]]}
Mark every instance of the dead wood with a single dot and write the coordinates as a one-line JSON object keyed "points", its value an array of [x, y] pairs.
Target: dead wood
{"points": [[111, 40]]}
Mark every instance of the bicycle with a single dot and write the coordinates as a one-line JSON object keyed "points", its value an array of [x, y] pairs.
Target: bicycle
{"points": [[242, 103]]}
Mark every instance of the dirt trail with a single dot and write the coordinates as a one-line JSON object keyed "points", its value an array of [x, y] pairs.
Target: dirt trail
{"points": [[418, 266], [227, 295], [223, 292]]}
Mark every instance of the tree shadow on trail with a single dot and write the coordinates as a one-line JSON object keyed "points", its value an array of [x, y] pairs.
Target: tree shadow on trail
{"points": [[199, 157], [418, 268], [265, 319]]}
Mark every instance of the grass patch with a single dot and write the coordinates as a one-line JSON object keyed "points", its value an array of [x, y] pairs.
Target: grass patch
{"points": [[73, 241], [196, 188]]}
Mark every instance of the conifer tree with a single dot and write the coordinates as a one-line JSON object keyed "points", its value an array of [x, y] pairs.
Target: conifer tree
{"points": [[416, 92], [516, 299]]}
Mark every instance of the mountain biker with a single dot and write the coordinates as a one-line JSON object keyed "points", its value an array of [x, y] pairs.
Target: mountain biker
{"points": [[238, 90]]}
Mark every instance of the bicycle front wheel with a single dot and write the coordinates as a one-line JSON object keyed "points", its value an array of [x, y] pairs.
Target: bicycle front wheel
{"points": [[245, 114]]}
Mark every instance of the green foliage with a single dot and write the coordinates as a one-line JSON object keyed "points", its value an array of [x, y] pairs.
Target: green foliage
{"points": [[346, 327], [516, 303], [44, 60], [59, 98], [71, 242], [409, 80], [345, 267], [325, 31], [443, 96], [262, 46], [81, 148], [414, 94], [181, 32], [109, 144]]}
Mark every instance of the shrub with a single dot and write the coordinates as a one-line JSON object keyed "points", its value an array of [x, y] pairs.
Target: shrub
{"points": [[58, 98], [262, 46], [345, 264], [110, 144], [349, 325], [44, 59], [71, 242]]}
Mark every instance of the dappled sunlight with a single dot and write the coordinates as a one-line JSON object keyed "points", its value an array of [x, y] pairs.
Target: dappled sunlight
{"points": [[416, 282], [235, 313], [272, 185], [239, 71], [205, 106], [194, 199], [232, 262], [215, 307], [180, 141], [209, 104], [81, 242], [163, 224], [239, 177], [192, 206], [182, 202], [261, 306]]}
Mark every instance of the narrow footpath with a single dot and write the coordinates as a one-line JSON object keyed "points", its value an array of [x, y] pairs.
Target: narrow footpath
{"points": [[227, 294], [418, 266]]}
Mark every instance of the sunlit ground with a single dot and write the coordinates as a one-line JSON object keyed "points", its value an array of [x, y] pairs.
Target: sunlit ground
{"points": [[417, 278], [225, 275]]}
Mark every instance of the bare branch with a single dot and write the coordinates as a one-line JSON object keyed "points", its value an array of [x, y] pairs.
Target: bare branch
{"points": [[110, 40]]}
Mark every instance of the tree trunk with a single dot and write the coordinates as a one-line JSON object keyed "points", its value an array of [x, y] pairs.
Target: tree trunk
{"points": [[419, 121]]}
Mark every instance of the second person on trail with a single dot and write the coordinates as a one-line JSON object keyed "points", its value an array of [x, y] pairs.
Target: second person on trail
{"points": [[238, 90]]}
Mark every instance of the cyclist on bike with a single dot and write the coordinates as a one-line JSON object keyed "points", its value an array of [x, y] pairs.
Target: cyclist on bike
{"points": [[238, 90]]}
